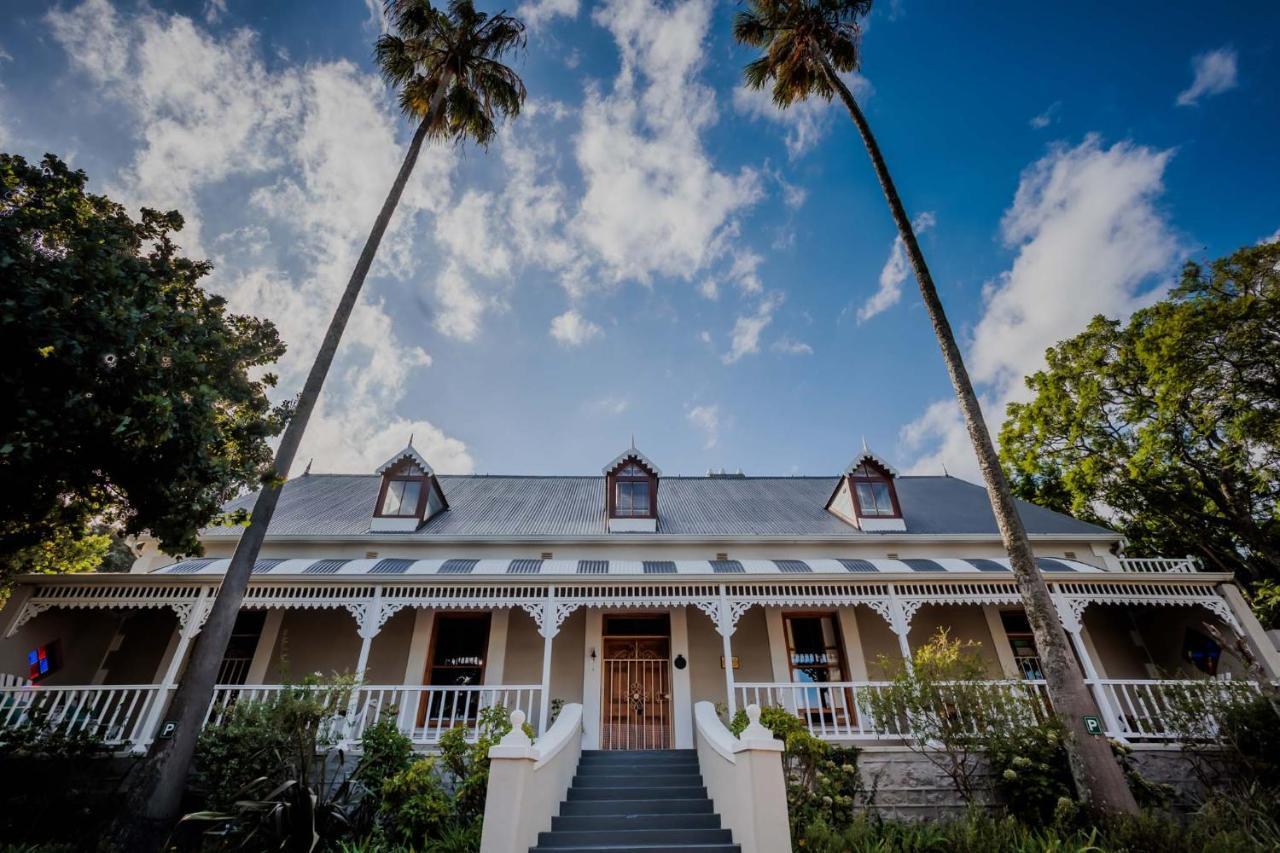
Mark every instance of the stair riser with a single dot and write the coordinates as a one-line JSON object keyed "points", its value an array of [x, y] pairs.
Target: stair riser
{"points": [[637, 772], [648, 808], [634, 837], [683, 780], [584, 823], [671, 793], [656, 848]]}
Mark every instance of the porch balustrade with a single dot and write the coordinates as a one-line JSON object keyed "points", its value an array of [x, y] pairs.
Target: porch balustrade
{"points": [[1142, 710], [119, 715], [1169, 565]]}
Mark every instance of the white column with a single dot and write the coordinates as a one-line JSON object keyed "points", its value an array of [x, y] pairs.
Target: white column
{"points": [[368, 629], [548, 629], [187, 631], [495, 656], [724, 624], [415, 668], [900, 625], [681, 687], [1073, 624], [266, 645], [777, 645], [1254, 634], [856, 661], [592, 651], [1000, 640]]}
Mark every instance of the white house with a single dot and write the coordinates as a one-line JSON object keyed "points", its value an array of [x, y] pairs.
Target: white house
{"points": [[632, 594]]}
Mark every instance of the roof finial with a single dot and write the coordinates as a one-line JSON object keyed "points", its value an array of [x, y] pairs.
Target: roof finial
{"points": [[308, 468], [411, 439], [865, 449], [633, 441], [945, 472]]}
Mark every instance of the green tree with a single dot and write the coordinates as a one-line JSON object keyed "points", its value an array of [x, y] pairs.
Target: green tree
{"points": [[447, 67], [806, 45], [130, 393], [1167, 427]]}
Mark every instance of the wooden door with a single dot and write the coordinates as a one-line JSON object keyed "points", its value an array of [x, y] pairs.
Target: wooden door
{"points": [[636, 700]]}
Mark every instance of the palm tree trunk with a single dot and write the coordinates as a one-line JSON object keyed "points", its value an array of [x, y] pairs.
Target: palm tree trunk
{"points": [[1099, 778], [155, 798]]}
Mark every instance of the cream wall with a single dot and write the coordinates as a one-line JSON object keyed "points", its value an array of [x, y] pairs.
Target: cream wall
{"points": [[963, 622], [85, 636], [311, 641]]}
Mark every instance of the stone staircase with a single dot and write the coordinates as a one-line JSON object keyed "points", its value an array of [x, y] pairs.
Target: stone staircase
{"points": [[648, 802]]}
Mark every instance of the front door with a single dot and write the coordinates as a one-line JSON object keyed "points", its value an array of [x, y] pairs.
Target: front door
{"points": [[636, 688]]}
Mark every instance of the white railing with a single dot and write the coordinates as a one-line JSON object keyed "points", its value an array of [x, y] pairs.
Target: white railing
{"points": [[113, 714], [1171, 565], [425, 713], [421, 713], [1143, 710]]}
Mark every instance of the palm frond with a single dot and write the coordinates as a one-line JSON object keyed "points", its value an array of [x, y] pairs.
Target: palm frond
{"points": [[798, 39]]}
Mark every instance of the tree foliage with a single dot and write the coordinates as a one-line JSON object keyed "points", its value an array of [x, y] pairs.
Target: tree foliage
{"points": [[1168, 427], [131, 395]]}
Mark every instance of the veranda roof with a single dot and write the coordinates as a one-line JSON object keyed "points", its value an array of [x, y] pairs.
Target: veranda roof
{"points": [[464, 566]]}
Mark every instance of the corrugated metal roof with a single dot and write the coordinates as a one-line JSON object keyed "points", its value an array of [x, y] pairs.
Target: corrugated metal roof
{"points": [[522, 566], [484, 506]]}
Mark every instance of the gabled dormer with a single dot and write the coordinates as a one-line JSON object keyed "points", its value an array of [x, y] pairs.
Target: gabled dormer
{"points": [[408, 495], [867, 496], [631, 493]]}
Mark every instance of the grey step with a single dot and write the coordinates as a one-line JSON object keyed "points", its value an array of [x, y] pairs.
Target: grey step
{"points": [[639, 762], [587, 753], [644, 848], [667, 792], [635, 757], [621, 780], [635, 770], [633, 837], [635, 807], [580, 823]]}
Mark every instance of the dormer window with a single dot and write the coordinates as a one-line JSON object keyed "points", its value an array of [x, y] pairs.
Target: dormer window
{"points": [[867, 497], [631, 493], [402, 497], [408, 495], [874, 492]]}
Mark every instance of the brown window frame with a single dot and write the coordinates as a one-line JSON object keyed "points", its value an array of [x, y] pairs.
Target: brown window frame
{"points": [[880, 476], [406, 472], [614, 478], [457, 616], [842, 665]]}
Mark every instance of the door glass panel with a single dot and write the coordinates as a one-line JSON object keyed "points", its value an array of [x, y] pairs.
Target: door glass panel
{"points": [[461, 643]]}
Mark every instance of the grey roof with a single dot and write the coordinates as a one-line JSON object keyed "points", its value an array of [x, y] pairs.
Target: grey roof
{"points": [[504, 566], [487, 506]]}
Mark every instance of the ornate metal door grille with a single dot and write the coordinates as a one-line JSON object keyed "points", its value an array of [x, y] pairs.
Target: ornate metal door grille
{"points": [[636, 705]]}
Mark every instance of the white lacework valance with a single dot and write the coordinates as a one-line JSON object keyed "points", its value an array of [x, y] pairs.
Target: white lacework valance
{"points": [[373, 601]]}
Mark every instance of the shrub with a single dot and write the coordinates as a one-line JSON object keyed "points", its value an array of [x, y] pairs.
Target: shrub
{"points": [[437, 803], [823, 782], [56, 786], [945, 709], [1029, 770]]}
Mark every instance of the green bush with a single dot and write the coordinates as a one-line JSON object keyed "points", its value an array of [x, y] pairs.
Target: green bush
{"points": [[437, 803], [823, 782], [55, 786], [1029, 771]]}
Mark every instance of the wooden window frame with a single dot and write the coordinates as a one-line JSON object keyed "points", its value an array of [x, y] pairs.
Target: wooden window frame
{"points": [[881, 476], [406, 472], [612, 479], [843, 664]]}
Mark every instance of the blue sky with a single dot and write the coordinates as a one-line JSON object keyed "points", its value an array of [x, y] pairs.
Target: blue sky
{"points": [[649, 250]]}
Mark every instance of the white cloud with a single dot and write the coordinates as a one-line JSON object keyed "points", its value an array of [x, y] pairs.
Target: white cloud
{"points": [[1274, 238], [571, 329], [467, 231], [304, 155], [1090, 240], [791, 347], [1046, 118], [654, 204], [460, 306], [706, 419], [537, 13], [214, 9], [894, 273], [1215, 73], [608, 405], [806, 122], [748, 327]]}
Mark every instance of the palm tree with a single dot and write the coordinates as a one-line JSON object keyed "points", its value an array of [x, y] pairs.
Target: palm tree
{"points": [[447, 66], [806, 45]]}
